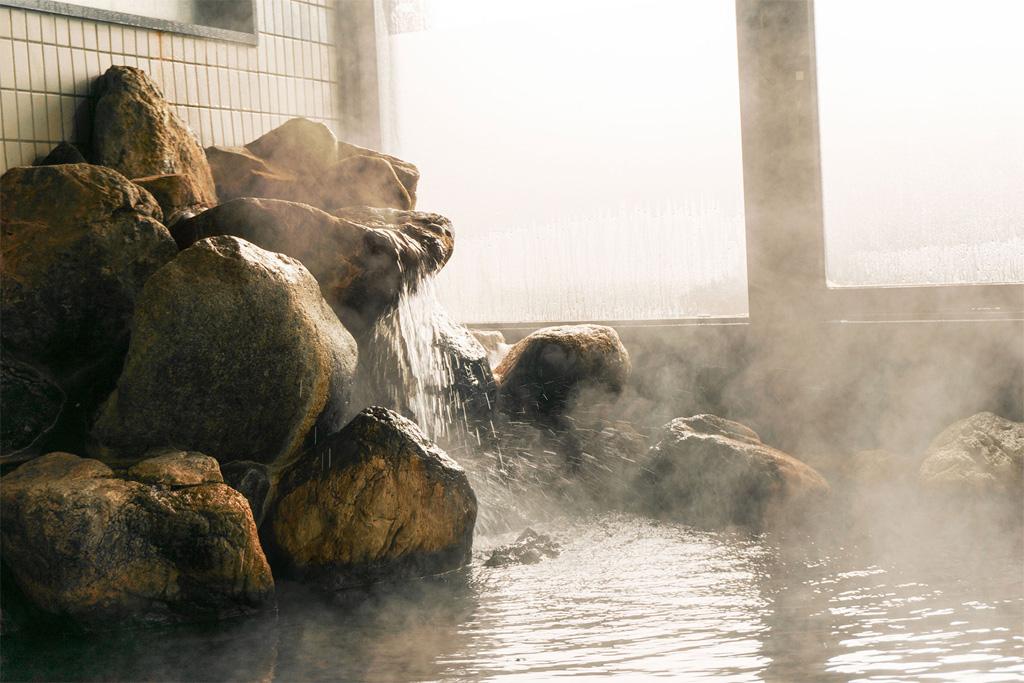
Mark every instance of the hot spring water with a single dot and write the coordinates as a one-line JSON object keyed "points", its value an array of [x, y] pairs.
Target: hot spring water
{"points": [[875, 598]]}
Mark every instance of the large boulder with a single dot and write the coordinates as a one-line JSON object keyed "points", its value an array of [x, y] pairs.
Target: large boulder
{"points": [[79, 243], [105, 551], [302, 161], [364, 258], [713, 473], [544, 373], [979, 456], [137, 132], [234, 353], [374, 500]]}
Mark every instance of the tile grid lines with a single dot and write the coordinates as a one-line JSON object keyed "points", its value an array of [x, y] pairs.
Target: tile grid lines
{"points": [[228, 93]]}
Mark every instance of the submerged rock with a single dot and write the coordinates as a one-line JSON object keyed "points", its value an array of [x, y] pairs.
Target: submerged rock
{"points": [[375, 500], [104, 552], [302, 161], [543, 374], [363, 258], [177, 195], [233, 353], [137, 132], [713, 472], [529, 548], [980, 456]]}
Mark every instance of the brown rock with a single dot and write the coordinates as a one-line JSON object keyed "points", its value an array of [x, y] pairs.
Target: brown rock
{"points": [[63, 153], [363, 181], [32, 404], [106, 552], [234, 353], [170, 467], [700, 473], [239, 173], [177, 195], [362, 257], [137, 132], [302, 161], [374, 500], [544, 373]]}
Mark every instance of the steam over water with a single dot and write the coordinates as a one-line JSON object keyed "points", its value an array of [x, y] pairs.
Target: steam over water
{"points": [[627, 596]]}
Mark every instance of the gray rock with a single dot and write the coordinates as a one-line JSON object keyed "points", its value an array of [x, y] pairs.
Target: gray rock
{"points": [[252, 480], [107, 552], [979, 456], [376, 500], [31, 405], [529, 548], [234, 353]]}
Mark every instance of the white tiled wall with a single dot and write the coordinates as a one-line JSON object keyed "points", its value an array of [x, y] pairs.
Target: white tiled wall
{"points": [[230, 93]]}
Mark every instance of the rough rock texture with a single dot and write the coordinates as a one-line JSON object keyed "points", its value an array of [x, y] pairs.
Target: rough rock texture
{"points": [[79, 242], [374, 500], [711, 472], [982, 455], [177, 195], [362, 257], [32, 402], [302, 161], [170, 467], [252, 480], [137, 132], [543, 373], [233, 353], [529, 548], [474, 393], [106, 552], [63, 153]]}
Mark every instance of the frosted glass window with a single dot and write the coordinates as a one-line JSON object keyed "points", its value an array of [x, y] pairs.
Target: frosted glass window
{"points": [[922, 140], [171, 10], [587, 152]]}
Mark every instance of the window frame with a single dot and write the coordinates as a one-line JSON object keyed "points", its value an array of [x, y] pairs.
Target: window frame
{"points": [[249, 37], [786, 271]]}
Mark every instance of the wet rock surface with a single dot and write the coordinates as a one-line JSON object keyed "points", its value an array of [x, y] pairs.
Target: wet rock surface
{"points": [[529, 548], [138, 133], [376, 500], [170, 467], [473, 392], [104, 552], [363, 258], [233, 353], [252, 480], [544, 373], [302, 161], [979, 456], [710, 472]]}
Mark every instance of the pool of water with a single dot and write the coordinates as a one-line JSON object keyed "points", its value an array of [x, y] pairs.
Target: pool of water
{"points": [[627, 596]]}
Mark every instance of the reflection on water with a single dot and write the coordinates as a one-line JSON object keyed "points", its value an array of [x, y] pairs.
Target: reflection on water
{"points": [[626, 597]]}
